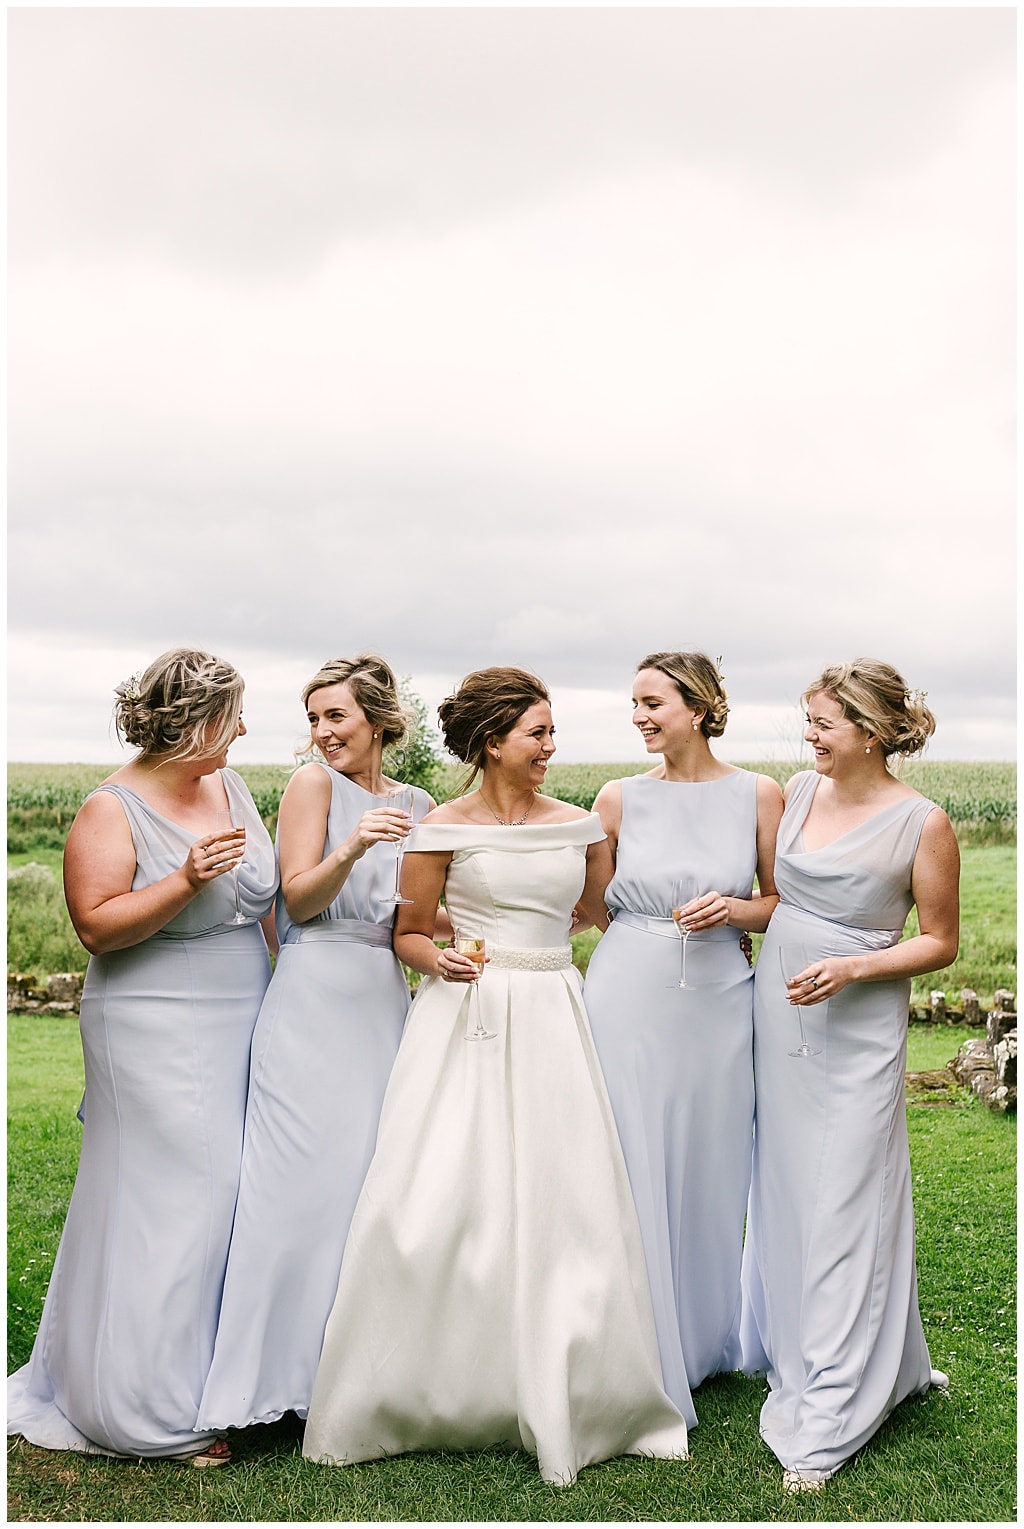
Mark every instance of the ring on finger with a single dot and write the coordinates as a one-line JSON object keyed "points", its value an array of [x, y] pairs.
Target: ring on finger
{"points": [[814, 982]]}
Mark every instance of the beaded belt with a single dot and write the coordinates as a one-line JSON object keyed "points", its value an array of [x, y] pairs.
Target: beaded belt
{"points": [[550, 959], [355, 930]]}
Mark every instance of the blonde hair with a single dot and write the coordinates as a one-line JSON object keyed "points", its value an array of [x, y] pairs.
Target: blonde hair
{"points": [[487, 705], [185, 706], [874, 695], [373, 684], [699, 683]]}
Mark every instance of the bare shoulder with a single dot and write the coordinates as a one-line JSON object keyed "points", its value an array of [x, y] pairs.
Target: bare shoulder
{"points": [[609, 795], [448, 812], [550, 809], [308, 783], [769, 792]]}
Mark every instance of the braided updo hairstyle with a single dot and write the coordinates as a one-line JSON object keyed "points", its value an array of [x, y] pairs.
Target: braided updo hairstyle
{"points": [[699, 683], [373, 684], [874, 695], [185, 706], [487, 705]]}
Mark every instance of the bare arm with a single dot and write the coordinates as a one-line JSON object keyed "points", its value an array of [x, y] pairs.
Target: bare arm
{"points": [[100, 865], [935, 884], [600, 869], [749, 913], [311, 880]]}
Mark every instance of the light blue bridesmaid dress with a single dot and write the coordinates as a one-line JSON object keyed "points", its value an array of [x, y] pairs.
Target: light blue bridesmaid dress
{"points": [[830, 1282], [321, 1057], [126, 1336], [678, 1062]]}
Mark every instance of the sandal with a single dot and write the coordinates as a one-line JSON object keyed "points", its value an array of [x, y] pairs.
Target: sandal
{"points": [[793, 1482], [217, 1453]]}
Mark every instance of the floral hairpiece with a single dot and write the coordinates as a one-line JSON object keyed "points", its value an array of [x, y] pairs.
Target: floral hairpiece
{"points": [[917, 696], [721, 676], [128, 689]]}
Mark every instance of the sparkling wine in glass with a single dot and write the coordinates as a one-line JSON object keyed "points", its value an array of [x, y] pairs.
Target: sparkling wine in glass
{"points": [[399, 799], [684, 890], [230, 825], [469, 943], [792, 960]]}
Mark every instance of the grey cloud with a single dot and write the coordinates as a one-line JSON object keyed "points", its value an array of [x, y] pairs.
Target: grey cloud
{"points": [[253, 140]]}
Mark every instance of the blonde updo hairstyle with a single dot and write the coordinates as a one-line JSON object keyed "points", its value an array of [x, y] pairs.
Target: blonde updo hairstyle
{"points": [[699, 683], [486, 707], [874, 695], [185, 706], [373, 684]]}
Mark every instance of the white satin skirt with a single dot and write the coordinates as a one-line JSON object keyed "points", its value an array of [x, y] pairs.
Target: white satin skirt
{"points": [[493, 1288]]}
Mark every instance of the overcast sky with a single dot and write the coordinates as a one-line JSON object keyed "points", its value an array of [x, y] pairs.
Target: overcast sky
{"points": [[536, 336]]}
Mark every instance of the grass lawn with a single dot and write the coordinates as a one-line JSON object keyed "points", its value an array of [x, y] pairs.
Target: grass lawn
{"points": [[946, 1458]]}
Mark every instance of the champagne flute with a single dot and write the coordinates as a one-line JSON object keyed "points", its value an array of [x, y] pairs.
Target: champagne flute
{"points": [[684, 890], [399, 799], [792, 960], [230, 824], [469, 942]]}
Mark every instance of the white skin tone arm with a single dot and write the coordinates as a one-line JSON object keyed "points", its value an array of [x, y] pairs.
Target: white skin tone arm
{"points": [[935, 886], [100, 865], [712, 908], [311, 880]]}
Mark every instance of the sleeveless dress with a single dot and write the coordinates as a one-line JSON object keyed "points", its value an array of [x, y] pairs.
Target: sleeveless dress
{"points": [[679, 1062], [323, 1049], [127, 1330], [830, 1284], [493, 1288]]}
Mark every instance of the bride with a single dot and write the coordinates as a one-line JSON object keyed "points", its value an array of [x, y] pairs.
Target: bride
{"points": [[493, 1289]]}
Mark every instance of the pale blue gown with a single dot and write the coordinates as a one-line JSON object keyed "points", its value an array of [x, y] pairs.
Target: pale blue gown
{"points": [[493, 1288], [830, 1281], [321, 1057], [678, 1062], [127, 1330]]}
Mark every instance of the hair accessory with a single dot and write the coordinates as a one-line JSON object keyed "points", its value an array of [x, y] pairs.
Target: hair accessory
{"points": [[915, 695], [128, 689]]}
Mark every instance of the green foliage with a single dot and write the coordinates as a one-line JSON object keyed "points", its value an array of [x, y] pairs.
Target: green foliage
{"points": [[948, 1458], [415, 761], [40, 938]]}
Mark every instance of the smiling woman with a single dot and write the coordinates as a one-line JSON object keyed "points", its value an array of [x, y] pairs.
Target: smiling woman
{"points": [[169, 904], [493, 1289], [322, 1049], [830, 1283]]}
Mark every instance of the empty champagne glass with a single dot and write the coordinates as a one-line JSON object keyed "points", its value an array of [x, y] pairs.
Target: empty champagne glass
{"points": [[792, 960], [469, 942], [684, 890], [230, 824], [399, 799]]}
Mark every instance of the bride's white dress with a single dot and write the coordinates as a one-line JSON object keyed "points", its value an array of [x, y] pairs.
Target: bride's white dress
{"points": [[493, 1288]]}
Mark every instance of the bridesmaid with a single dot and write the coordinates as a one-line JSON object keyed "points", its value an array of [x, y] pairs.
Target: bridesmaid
{"points": [[323, 1048], [677, 1061], [830, 1282], [171, 997]]}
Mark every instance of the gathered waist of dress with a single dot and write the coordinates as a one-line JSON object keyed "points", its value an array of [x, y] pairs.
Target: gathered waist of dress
{"points": [[551, 958], [667, 926], [356, 931], [835, 936]]}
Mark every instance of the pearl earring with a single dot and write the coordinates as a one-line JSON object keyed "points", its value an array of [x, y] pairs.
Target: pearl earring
{"points": [[868, 749], [696, 727]]}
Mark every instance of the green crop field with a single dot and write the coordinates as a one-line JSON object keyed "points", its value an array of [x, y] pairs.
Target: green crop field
{"points": [[981, 799]]}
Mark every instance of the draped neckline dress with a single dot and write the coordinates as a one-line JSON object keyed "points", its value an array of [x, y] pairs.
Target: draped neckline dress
{"points": [[127, 1330], [830, 1280]]}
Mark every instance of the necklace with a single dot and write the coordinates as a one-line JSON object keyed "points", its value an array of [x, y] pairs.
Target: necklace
{"points": [[515, 822]]}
